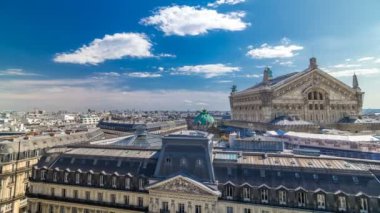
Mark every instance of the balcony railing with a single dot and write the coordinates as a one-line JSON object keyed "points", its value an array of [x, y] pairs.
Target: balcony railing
{"points": [[89, 202]]}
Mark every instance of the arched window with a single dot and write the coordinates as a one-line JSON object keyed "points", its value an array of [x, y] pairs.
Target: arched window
{"points": [[229, 191], [310, 96]]}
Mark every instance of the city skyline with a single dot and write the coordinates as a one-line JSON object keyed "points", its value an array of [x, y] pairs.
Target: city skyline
{"points": [[170, 55]]}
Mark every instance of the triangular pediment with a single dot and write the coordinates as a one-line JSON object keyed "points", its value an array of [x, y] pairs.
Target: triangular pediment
{"points": [[181, 184], [310, 79]]}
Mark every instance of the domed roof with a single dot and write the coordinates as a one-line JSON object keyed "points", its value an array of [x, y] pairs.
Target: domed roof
{"points": [[204, 119]]}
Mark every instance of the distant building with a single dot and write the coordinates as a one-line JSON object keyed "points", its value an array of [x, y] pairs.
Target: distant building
{"points": [[308, 97], [187, 175], [202, 121], [89, 119]]}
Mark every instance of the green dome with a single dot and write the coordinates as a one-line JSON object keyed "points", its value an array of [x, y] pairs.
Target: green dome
{"points": [[204, 119]]}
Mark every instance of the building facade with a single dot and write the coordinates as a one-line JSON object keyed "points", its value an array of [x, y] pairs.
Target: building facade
{"points": [[187, 175], [311, 95], [17, 158]]}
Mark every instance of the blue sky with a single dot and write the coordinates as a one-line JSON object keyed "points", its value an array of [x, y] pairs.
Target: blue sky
{"points": [[176, 55]]}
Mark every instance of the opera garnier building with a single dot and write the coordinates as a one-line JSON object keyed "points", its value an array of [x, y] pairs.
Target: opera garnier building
{"points": [[187, 174], [311, 96]]}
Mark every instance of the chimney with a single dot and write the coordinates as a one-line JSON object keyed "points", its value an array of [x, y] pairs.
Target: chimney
{"points": [[313, 63]]}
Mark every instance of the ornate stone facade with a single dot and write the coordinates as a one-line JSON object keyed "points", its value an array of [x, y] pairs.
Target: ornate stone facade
{"points": [[311, 95]]}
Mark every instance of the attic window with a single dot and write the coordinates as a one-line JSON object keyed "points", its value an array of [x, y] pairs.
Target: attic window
{"points": [[335, 178], [279, 174], [168, 160], [199, 162], [262, 173], [297, 175], [315, 176], [355, 179]]}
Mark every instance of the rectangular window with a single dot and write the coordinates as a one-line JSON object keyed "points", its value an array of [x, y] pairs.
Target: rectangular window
{"points": [[100, 197], [75, 194], [127, 183], [230, 209], [247, 210], [181, 208], [101, 180], [114, 182], [165, 206], [77, 178], [88, 195], [43, 172], [63, 193], [66, 177], [55, 176], [301, 198], [198, 209], [229, 192], [113, 198], [89, 179], [126, 199], [140, 201], [282, 197], [363, 207], [264, 195], [141, 184], [321, 201], [342, 203], [52, 192], [246, 194]]}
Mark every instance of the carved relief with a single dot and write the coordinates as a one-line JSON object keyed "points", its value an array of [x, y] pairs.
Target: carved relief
{"points": [[183, 186]]}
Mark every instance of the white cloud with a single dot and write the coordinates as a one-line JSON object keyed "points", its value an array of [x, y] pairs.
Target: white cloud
{"points": [[105, 75], [366, 59], [284, 63], [208, 70], [110, 47], [347, 59], [351, 72], [252, 76], [143, 75], [16, 72], [161, 69], [166, 55], [377, 61], [229, 2], [285, 50], [187, 20], [346, 65], [224, 81]]}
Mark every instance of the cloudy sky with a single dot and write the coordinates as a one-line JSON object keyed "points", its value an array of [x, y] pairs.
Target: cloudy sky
{"points": [[178, 55]]}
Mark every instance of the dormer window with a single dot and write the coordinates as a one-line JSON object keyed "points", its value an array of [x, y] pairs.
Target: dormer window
{"points": [[114, 181], [246, 193], [66, 177], [301, 199], [77, 178], [168, 161], [355, 179], [55, 176], [199, 162], [262, 173], [282, 197], [89, 179], [141, 184], [264, 195], [363, 205], [315, 176], [229, 190], [43, 173], [297, 175], [321, 201], [335, 178], [342, 206], [127, 183], [101, 180], [183, 162]]}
